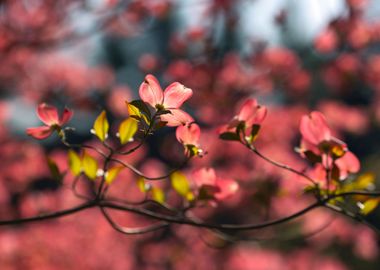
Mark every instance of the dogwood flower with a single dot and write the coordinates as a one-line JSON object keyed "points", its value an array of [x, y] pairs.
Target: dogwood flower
{"points": [[170, 100], [211, 186], [49, 116], [319, 146], [189, 135]]}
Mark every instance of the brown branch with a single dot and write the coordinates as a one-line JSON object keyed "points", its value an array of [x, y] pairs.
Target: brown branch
{"points": [[131, 231], [53, 215]]}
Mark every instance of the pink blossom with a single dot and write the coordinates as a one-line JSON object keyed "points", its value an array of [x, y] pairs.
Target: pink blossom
{"points": [[220, 188], [189, 134], [49, 116], [171, 99], [250, 113], [314, 128]]}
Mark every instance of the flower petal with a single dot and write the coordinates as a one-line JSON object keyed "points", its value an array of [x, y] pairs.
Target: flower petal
{"points": [[314, 128], [47, 114], [227, 188], [188, 134], [150, 91], [39, 133], [204, 176], [175, 95], [347, 164], [247, 109], [176, 118], [66, 116]]}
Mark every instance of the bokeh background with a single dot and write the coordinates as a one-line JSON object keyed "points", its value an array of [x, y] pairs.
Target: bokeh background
{"points": [[293, 56]]}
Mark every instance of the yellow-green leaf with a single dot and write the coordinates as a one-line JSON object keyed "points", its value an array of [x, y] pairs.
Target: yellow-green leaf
{"points": [[133, 110], [101, 126], [90, 166], [112, 173], [369, 206], [75, 163], [180, 183], [158, 195], [127, 130], [365, 181], [142, 185]]}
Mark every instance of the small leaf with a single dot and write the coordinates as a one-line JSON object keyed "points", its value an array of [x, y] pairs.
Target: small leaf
{"points": [[254, 133], [112, 173], [90, 166], [365, 181], [229, 136], [142, 107], [127, 130], [101, 126], [54, 170], [313, 158], [75, 163], [133, 111], [143, 187], [368, 206], [180, 183], [158, 195]]}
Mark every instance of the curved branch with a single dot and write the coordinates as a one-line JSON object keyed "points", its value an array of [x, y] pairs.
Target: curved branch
{"points": [[49, 215], [131, 231], [187, 221], [280, 165], [140, 173]]}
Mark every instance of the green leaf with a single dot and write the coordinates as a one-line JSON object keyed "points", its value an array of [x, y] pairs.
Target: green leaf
{"points": [[180, 184], [127, 130], [369, 206], [254, 132], [141, 106], [158, 195], [112, 173], [90, 166], [75, 163], [101, 126], [229, 136]]}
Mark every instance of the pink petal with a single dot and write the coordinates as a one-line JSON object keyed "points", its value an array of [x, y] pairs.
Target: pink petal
{"points": [[176, 118], [39, 132], [175, 95], [150, 91], [252, 113], [204, 176], [227, 188], [247, 109], [188, 134], [349, 163], [66, 116], [314, 128], [48, 114], [258, 117]]}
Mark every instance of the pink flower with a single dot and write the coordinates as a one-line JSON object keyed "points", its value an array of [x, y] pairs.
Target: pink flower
{"points": [[189, 136], [49, 116], [251, 113], [171, 99], [319, 146], [347, 164], [314, 128], [219, 188]]}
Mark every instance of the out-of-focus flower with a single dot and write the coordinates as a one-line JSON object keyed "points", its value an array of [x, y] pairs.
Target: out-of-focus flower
{"points": [[189, 136], [248, 119], [169, 100], [210, 186], [319, 146], [49, 116]]}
